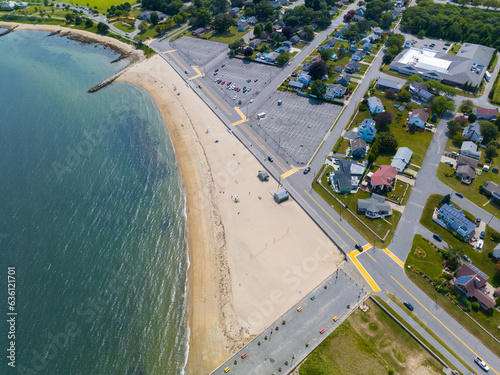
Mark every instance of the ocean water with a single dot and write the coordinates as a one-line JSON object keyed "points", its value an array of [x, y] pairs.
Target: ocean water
{"points": [[91, 217]]}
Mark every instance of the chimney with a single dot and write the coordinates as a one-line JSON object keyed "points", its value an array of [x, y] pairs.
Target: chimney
{"points": [[476, 282]]}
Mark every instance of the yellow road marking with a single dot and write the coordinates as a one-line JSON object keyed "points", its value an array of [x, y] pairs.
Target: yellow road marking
{"points": [[289, 173], [214, 98], [361, 269], [372, 257], [178, 62], [262, 146], [197, 71], [329, 216], [148, 42], [449, 330], [172, 50], [394, 257], [243, 118], [367, 246]]}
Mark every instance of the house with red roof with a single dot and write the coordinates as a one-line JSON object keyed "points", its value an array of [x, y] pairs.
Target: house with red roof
{"points": [[485, 113], [471, 282], [383, 178]]}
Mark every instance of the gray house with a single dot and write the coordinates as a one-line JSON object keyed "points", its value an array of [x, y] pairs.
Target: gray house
{"points": [[358, 148], [374, 207], [492, 188], [473, 132], [375, 105]]}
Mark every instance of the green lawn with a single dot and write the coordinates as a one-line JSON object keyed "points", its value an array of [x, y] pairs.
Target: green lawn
{"points": [[454, 50], [383, 226], [149, 33], [123, 26], [429, 262], [228, 37], [480, 259], [368, 58], [372, 343], [100, 5], [470, 191]]}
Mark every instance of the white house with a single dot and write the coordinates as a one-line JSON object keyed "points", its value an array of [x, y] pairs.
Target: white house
{"points": [[470, 149], [367, 130], [401, 159], [335, 91], [375, 105]]}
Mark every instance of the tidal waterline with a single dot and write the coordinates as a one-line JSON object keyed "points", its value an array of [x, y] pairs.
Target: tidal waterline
{"points": [[91, 215]]}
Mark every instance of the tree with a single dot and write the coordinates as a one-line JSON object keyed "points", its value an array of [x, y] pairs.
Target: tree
{"points": [[248, 51], [309, 32], [203, 17], [414, 78], [268, 27], [445, 200], [386, 20], [326, 54], [154, 18], [497, 267], [489, 132], [404, 96], [318, 70], [383, 119], [257, 30], [458, 139], [397, 40], [78, 20], [218, 6], [441, 104], [222, 22], [265, 11], [287, 32], [387, 59], [318, 89], [102, 28], [282, 59], [491, 152], [69, 17], [390, 94], [453, 128], [467, 105], [178, 19], [472, 117], [388, 143], [89, 23], [236, 44]]}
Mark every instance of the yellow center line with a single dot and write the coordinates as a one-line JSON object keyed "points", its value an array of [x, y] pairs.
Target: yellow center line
{"points": [[289, 173], [335, 221], [372, 257], [394, 257], [262, 146], [449, 330], [352, 255], [197, 71], [214, 98]]}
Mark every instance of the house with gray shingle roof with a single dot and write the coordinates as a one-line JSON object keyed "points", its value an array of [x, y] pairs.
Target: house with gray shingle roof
{"points": [[374, 207]]}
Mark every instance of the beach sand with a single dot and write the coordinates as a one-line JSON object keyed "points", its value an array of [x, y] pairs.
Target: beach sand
{"points": [[250, 261]]}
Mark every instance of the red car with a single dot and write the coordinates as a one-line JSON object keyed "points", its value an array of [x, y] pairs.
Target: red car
{"points": [[322, 331], [238, 90], [256, 80], [229, 83], [223, 82], [244, 355]]}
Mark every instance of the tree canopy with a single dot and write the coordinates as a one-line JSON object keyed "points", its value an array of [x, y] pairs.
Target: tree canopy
{"points": [[222, 22], [318, 70], [441, 104], [489, 131], [318, 89]]}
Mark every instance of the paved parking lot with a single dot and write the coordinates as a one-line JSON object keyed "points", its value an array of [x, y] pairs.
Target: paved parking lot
{"points": [[439, 45], [199, 51], [238, 72], [295, 128]]}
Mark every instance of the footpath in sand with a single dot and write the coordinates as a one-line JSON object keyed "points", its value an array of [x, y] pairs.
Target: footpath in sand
{"points": [[250, 261]]}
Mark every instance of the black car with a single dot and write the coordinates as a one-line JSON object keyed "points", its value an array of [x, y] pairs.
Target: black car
{"points": [[358, 247], [483, 234], [408, 305], [270, 159], [307, 170], [460, 195], [437, 237]]}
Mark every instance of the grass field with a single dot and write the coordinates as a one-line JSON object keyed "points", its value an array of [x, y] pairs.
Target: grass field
{"points": [[471, 191], [123, 26], [228, 37], [369, 343], [101, 5]]}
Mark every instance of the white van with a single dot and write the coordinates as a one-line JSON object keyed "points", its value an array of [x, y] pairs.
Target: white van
{"points": [[261, 115]]}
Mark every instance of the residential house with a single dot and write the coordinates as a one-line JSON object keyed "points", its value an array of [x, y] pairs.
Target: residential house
{"points": [[252, 20], [265, 36], [345, 79], [347, 177], [367, 130], [367, 47], [284, 3], [401, 159], [296, 85], [283, 49], [375, 105], [470, 149], [146, 16], [333, 11], [305, 79], [466, 173], [329, 44], [357, 18], [471, 282], [377, 31], [358, 56], [384, 84], [370, 38], [242, 26], [361, 11], [294, 39], [334, 91], [352, 67], [374, 207], [277, 28], [233, 12], [338, 69], [454, 220], [472, 132], [316, 58], [358, 148], [485, 113], [255, 43], [287, 43], [419, 92], [8, 5], [199, 31], [272, 56], [383, 178], [275, 4], [466, 160], [418, 117], [492, 188]]}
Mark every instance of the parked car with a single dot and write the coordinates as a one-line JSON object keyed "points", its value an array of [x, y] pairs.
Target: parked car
{"points": [[223, 82], [280, 102], [482, 235], [249, 80], [479, 245], [437, 237], [408, 305], [256, 79], [482, 364], [307, 170], [466, 258], [270, 159], [216, 70], [478, 220], [460, 195], [223, 65]]}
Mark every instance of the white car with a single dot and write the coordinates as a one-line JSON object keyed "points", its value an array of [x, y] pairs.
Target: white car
{"points": [[479, 245], [481, 364]]}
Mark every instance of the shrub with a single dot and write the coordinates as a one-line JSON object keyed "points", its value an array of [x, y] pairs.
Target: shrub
{"points": [[475, 306], [464, 302], [489, 312], [447, 276]]}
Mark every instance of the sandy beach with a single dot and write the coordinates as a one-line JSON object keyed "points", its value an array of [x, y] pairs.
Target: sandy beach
{"points": [[250, 261]]}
